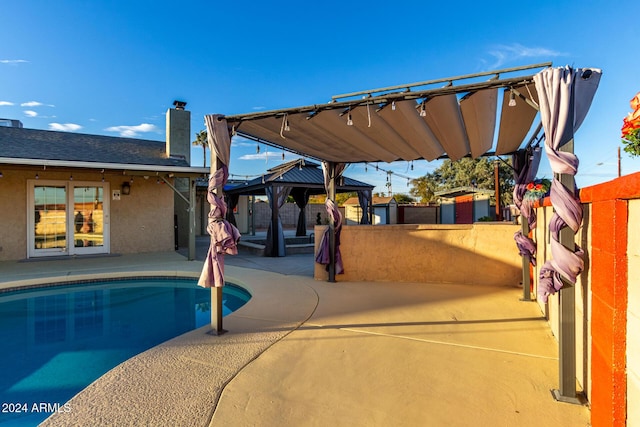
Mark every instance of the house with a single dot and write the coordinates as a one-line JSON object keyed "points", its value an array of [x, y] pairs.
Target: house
{"points": [[70, 194]]}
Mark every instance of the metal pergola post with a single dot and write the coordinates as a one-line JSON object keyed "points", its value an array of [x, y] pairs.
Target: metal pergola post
{"points": [[526, 274], [192, 219], [567, 310], [332, 227], [216, 292]]}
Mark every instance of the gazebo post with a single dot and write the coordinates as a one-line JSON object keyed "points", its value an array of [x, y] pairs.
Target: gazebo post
{"points": [[567, 308], [332, 227]]}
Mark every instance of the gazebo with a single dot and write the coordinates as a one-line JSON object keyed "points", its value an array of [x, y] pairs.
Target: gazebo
{"points": [[299, 178]]}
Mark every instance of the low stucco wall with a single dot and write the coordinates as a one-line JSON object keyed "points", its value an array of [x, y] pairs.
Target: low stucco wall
{"points": [[479, 254]]}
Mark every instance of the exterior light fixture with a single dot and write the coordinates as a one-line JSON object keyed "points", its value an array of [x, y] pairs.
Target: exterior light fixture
{"points": [[423, 112], [393, 105], [349, 119], [1, 174], [512, 99], [126, 188]]}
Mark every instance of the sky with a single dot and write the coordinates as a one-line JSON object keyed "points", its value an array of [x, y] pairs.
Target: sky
{"points": [[111, 67]]}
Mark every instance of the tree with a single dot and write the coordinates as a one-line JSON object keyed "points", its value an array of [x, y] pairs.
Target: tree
{"points": [[424, 187], [403, 198], [465, 172], [201, 140]]}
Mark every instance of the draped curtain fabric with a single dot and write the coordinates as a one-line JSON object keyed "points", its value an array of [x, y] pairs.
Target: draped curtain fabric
{"points": [[323, 256], [364, 198], [526, 167], [275, 244], [301, 197], [224, 236], [233, 200], [565, 96]]}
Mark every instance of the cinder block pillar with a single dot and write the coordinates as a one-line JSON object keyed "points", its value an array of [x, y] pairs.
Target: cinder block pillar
{"points": [[609, 312]]}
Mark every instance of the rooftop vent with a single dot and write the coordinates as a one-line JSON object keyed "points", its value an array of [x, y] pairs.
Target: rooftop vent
{"points": [[179, 105]]}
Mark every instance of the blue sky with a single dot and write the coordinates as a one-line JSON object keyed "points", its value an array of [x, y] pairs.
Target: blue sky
{"points": [[114, 67]]}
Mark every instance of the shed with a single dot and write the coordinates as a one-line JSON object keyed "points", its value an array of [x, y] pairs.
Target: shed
{"points": [[464, 205], [384, 210]]}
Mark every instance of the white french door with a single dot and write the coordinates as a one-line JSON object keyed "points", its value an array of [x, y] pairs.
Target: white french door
{"points": [[67, 218]]}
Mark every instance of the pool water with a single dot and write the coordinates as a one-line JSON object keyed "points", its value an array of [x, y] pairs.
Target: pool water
{"points": [[57, 340]]}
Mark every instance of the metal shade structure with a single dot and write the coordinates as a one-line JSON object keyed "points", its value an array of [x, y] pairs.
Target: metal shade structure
{"points": [[455, 119]]}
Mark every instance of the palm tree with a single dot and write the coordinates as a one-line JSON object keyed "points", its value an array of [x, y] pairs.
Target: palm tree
{"points": [[201, 140]]}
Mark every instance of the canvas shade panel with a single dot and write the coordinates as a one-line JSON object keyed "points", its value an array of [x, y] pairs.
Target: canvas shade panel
{"points": [[515, 121], [479, 115], [442, 115], [410, 126]]}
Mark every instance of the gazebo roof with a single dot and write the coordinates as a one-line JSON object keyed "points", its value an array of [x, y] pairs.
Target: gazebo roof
{"points": [[298, 173]]}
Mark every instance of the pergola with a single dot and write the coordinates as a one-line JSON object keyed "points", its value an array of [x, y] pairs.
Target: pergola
{"points": [[448, 118]]}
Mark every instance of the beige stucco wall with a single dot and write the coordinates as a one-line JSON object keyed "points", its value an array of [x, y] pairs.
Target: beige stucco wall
{"points": [[479, 254], [140, 222], [13, 211], [633, 316]]}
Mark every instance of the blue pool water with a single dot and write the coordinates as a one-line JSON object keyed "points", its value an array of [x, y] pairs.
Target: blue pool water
{"points": [[55, 341]]}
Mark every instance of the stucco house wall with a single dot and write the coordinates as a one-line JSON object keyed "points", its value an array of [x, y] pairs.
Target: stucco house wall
{"points": [[139, 222]]}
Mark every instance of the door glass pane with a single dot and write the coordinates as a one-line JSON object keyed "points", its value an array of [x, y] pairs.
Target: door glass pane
{"points": [[88, 216], [50, 217]]}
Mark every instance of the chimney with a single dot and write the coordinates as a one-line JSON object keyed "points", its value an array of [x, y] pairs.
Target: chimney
{"points": [[179, 131]]}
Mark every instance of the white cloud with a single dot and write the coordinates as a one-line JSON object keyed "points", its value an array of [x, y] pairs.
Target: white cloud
{"points": [[30, 113], [12, 61], [35, 104], [5, 103], [262, 156], [66, 127], [31, 104], [132, 131], [510, 53]]}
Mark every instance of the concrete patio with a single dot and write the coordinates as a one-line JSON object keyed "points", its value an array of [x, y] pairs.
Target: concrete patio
{"points": [[309, 353]]}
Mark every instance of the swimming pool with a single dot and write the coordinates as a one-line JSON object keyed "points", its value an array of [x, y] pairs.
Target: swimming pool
{"points": [[57, 340]]}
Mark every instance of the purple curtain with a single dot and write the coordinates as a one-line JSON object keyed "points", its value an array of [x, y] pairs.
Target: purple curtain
{"points": [[275, 244], [224, 236], [364, 198], [565, 96], [301, 197], [323, 256], [526, 167]]}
